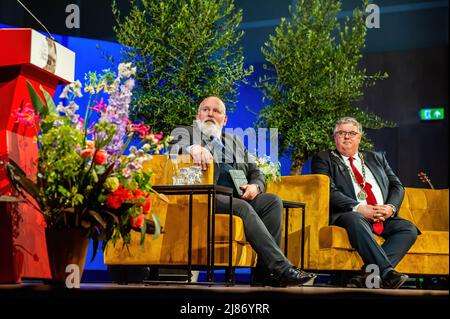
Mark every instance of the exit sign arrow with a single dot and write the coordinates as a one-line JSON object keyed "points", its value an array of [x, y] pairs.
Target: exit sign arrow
{"points": [[431, 114]]}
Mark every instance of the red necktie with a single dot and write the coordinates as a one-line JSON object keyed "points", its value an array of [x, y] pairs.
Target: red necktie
{"points": [[371, 200]]}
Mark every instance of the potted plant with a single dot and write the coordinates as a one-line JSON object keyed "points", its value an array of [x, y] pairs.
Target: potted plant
{"points": [[184, 51], [314, 77], [86, 187]]}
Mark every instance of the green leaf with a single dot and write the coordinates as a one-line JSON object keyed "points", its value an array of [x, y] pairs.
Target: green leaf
{"points": [[20, 181], [157, 226], [94, 247], [9, 199], [49, 100], [98, 218], [143, 232], [37, 102], [113, 216]]}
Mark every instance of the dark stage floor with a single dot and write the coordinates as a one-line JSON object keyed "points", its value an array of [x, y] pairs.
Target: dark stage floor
{"points": [[218, 301]]}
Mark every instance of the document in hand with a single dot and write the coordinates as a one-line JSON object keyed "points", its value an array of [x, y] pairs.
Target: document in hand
{"points": [[239, 179]]}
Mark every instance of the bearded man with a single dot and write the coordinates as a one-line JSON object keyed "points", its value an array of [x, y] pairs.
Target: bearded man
{"points": [[261, 212]]}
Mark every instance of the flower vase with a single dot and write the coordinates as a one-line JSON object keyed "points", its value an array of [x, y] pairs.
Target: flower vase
{"points": [[66, 247]]}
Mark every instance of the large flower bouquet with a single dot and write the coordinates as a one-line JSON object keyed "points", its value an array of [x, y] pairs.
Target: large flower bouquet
{"points": [[84, 179]]}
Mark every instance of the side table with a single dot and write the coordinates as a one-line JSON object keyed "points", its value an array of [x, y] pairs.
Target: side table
{"points": [[287, 205], [210, 190]]}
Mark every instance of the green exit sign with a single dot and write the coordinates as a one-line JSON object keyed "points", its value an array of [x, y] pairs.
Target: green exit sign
{"points": [[432, 114]]}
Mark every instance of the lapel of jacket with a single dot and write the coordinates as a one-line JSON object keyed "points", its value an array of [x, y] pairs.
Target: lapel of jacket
{"points": [[376, 172], [338, 161]]}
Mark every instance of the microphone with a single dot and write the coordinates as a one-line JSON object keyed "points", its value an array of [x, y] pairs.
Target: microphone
{"points": [[48, 32]]}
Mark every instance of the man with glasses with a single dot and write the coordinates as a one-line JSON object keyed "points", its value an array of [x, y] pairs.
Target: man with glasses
{"points": [[365, 196], [261, 212]]}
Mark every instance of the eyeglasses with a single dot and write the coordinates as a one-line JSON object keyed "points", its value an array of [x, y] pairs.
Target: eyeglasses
{"points": [[351, 134]]}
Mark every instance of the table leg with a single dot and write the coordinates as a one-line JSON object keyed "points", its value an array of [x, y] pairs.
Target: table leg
{"points": [[286, 232], [302, 254], [230, 252], [213, 235], [208, 238], [189, 274]]}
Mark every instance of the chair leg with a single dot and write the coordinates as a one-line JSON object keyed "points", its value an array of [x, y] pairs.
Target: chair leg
{"points": [[153, 273], [230, 277]]}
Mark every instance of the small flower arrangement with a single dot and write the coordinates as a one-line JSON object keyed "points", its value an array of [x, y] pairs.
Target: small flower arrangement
{"points": [[270, 170], [84, 179]]}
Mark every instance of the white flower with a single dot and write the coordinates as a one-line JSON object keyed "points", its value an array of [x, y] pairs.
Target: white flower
{"points": [[63, 94], [76, 88], [146, 147], [125, 70]]}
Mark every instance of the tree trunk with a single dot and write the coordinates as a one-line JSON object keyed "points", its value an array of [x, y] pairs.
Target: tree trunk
{"points": [[296, 166]]}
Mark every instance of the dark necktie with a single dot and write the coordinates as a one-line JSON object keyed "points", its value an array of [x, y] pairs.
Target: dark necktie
{"points": [[220, 152], [367, 187]]}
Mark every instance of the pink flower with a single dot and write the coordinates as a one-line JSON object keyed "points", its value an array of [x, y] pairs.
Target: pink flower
{"points": [[141, 128], [100, 106], [27, 116], [158, 136]]}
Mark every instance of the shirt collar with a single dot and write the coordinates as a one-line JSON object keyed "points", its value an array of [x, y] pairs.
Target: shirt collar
{"points": [[346, 158]]}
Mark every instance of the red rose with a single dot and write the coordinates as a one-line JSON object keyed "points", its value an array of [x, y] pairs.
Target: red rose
{"points": [[100, 157], [139, 193], [114, 201], [147, 205], [139, 221]]}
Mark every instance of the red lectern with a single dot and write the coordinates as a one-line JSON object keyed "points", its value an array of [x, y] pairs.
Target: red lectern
{"points": [[26, 55]]}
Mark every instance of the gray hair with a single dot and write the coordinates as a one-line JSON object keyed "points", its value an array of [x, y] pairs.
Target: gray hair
{"points": [[348, 120]]}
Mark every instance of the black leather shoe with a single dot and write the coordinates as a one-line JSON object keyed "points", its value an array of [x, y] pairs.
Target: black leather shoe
{"points": [[393, 280], [295, 277], [359, 281]]}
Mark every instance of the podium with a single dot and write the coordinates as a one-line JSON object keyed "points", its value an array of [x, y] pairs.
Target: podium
{"points": [[26, 55]]}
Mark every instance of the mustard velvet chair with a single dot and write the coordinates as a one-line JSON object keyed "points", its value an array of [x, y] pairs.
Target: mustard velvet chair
{"points": [[171, 248], [327, 248]]}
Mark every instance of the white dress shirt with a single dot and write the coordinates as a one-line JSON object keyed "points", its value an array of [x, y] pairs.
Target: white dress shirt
{"points": [[369, 179]]}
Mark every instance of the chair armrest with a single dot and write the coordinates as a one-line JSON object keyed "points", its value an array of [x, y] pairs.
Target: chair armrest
{"points": [[163, 168], [314, 191]]}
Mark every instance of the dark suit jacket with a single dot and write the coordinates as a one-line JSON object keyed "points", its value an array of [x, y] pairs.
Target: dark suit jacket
{"points": [[185, 136], [342, 194]]}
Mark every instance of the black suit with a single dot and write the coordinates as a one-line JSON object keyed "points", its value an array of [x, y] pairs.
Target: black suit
{"points": [[262, 217], [399, 233]]}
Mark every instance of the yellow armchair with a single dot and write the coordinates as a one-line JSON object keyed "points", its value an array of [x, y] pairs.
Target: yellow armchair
{"points": [[327, 248]]}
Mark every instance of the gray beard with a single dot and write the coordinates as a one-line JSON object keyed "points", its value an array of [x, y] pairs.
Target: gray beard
{"points": [[209, 129]]}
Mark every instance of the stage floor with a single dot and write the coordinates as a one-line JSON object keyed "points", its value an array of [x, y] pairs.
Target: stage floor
{"points": [[184, 301]]}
